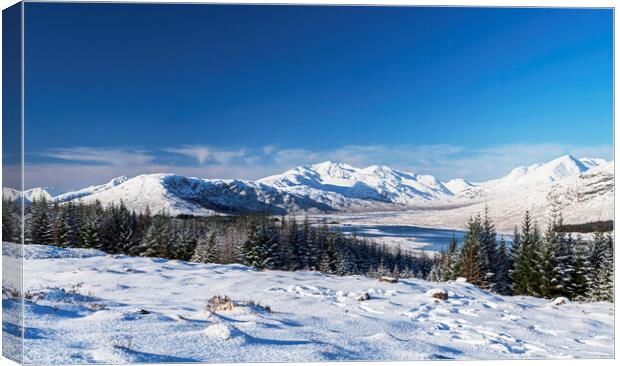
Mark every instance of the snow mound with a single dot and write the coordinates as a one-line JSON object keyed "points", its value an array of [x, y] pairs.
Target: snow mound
{"points": [[560, 301], [218, 331]]}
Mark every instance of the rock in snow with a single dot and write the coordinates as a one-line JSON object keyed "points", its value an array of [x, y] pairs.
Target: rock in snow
{"points": [[437, 293], [314, 317]]}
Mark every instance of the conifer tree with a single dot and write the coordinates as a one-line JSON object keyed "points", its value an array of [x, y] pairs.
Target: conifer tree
{"points": [[605, 276], [89, 232], [471, 258], [62, 229], [550, 278], [488, 246], [525, 272], [159, 239], [8, 222], [580, 268], [504, 263], [41, 226]]}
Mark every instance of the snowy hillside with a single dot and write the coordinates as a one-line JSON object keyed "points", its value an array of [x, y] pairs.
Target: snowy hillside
{"points": [[583, 187], [378, 183], [86, 307], [29, 195]]}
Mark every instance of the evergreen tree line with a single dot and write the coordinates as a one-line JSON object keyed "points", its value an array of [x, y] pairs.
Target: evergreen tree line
{"points": [[260, 241], [550, 264]]}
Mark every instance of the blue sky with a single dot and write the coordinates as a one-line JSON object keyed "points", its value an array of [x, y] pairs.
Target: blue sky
{"points": [[248, 91]]}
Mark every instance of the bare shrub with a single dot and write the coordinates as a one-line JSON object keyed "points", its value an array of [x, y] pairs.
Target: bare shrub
{"points": [[219, 303], [123, 343], [13, 293]]}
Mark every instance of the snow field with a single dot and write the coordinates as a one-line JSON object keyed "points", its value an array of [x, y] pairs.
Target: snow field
{"points": [[113, 308]]}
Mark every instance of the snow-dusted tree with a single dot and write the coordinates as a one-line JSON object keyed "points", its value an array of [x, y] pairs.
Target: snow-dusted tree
{"points": [[186, 241], [488, 247], [126, 234], [304, 239], [89, 231], [158, 239], [40, 223], [62, 228], [206, 249], [9, 229], [605, 276], [579, 282], [453, 264], [446, 264], [550, 278], [504, 263], [564, 257]]}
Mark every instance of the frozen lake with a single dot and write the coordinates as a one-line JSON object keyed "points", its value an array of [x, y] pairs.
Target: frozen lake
{"points": [[408, 237], [388, 228]]}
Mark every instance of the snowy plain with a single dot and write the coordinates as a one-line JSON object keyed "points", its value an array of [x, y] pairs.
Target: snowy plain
{"points": [[88, 307]]}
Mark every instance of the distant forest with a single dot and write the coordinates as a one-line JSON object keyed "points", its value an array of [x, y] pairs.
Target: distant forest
{"points": [[543, 264], [260, 241]]}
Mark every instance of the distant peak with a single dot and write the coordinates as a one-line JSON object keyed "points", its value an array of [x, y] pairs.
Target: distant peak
{"points": [[328, 164], [118, 180]]}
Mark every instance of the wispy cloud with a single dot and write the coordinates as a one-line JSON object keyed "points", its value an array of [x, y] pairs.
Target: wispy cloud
{"points": [[71, 168], [106, 156], [207, 154]]}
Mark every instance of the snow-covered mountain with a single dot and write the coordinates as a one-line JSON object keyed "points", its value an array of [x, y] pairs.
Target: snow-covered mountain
{"points": [[377, 183], [29, 195], [583, 185]]}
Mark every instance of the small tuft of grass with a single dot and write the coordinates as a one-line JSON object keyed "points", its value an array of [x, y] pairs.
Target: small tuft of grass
{"points": [[219, 303], [123, 343]]}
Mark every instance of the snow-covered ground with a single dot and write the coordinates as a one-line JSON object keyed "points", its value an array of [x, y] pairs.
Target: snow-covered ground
{"points": [[91, 307]]}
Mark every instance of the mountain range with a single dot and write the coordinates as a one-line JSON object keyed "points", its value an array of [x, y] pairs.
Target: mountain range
{"points": [[583, 188]]}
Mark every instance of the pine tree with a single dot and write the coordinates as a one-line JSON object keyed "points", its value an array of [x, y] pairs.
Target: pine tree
{"points": [[504, 264], [488, 246], [9, 230], [598, 248], [41, 226], [251, 249], [62, 229], [186, 242], [436, 273], [471, 257], [453, 264], [580, 268], [525, 272], [158, 239], [126, 235], [550, 278], [564, 259], [270, 245], [605, 277], [89, 232], [303, 244], [206, 249]]}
